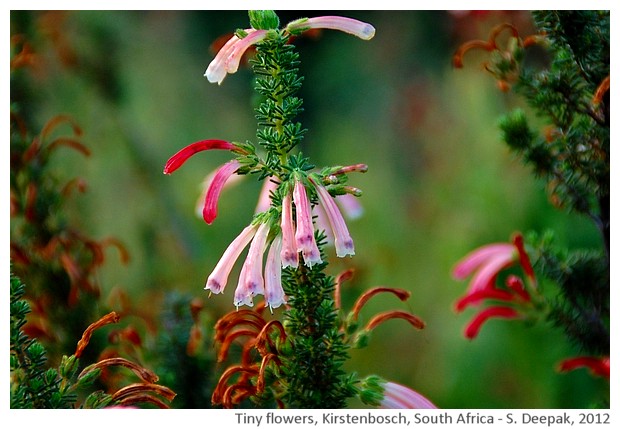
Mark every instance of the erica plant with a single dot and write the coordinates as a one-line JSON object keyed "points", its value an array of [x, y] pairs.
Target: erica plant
{"points": [[297, 360]]}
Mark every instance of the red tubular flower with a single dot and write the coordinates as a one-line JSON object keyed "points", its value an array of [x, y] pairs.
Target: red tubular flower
{"points": [[209, 211], [473, 327], [179, 158], [478, 296], [598, 366]]}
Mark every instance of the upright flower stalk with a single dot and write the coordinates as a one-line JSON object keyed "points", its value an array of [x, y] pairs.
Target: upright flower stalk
{"points": [[285, 261]]}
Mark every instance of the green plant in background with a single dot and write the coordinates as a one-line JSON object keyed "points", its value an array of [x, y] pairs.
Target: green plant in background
{"points": [[568, 90], [34, 384], [300, 360], [62, 264]]}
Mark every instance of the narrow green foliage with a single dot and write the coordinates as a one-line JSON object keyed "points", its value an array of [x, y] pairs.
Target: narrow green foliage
{"points": [[33, 385], [313, 371], [276, 65], [573, 154]]}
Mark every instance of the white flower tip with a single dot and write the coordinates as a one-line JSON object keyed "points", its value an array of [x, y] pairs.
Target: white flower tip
{"points": [[367, 32], [215, 76]]}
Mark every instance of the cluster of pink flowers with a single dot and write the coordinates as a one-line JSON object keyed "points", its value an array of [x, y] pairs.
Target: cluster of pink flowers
{"points": [[283, 242], [484, 265], [290, 238]]}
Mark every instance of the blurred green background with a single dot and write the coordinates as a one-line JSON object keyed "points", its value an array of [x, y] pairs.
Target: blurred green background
{"points": [[440, 181]]}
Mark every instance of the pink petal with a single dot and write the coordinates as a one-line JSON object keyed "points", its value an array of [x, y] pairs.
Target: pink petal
{"points": [[397, 396], [216, 71], [342, 238], [357, 28], [289, 254], [473, 260], [304, 236], [219, 277], [251, 280], [274, 294]]}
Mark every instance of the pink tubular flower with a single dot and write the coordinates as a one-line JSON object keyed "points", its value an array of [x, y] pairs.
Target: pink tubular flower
{"points": [[274, 294], [473, 327], [486, 261], [304, 236], [251, 280], [209, 212], [599, 366], [357, 28], [228, 58], [179, 158], [342, 239], [289, 254], [396, 396], [216, 282]]}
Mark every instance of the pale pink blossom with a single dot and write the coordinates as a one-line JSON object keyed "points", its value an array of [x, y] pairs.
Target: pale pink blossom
{"points": [[350, 206], [251, 281], [357, 28], [304, 235], [274, 294], [289, 254], [486, 261], [396, 396], [228, 58], [342, 238], [216, 282]]}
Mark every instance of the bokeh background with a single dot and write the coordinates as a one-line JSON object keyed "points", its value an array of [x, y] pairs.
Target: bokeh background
{"points": [[440, 181]]}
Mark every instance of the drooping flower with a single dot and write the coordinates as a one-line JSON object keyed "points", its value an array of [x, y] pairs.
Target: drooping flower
{"points": [[251, 281], [209, 212], [274, 294], [216, 282], [228, 58], [304, 235], [397, 396], [357, 28], [342, 238], [289, 254]]}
